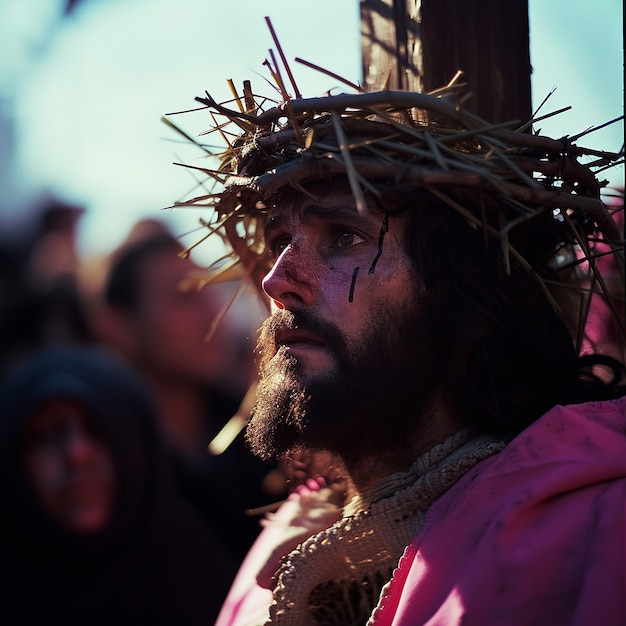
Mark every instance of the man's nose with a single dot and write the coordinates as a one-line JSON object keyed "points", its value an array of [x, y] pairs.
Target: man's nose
{"points": [[292, 278]]}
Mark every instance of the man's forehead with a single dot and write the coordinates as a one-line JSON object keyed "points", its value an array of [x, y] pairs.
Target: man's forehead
{"points": [[338, 205]]}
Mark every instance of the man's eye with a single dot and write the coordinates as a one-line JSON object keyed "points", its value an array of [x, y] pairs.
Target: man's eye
{"points": [[277, 246], [346, 239]]}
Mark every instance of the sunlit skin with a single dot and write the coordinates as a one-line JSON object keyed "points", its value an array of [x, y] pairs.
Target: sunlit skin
{"points": [[70, 469]]}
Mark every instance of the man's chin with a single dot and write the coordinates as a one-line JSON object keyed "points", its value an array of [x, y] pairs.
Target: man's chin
{"points": [[269, 439], [277, 419], [315, 397]]}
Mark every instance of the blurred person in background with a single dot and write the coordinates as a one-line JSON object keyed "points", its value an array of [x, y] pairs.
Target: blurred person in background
{"points": [[155, 317], [40, 301], [91, 530]]}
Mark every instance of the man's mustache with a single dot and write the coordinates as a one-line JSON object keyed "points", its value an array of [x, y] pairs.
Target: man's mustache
{"points": [[301, 319]]}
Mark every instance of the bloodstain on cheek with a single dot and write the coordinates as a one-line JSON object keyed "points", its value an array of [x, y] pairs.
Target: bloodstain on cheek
{"points": [[381, 237], [355, 273]]}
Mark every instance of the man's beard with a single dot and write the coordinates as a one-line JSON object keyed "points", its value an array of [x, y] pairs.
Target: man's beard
{"points": [[372, 398]]}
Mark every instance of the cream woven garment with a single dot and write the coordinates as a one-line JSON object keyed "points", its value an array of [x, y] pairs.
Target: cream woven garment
{"points": [[335, 577]]}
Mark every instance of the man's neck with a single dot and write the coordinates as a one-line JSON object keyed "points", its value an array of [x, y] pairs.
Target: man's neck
{"points": [[368, 467]]}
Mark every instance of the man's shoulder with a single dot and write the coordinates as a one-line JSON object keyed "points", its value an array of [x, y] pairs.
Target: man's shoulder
{"points": [[591, 433], [605, 414], [587, 435], [570, 449], [539, 521]]}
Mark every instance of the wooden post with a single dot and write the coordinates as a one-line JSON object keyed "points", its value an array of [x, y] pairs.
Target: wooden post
{"points": [[391, 45], [420, 44]]}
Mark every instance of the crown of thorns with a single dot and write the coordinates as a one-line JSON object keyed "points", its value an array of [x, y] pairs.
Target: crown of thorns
{"points": [[413, 141]]}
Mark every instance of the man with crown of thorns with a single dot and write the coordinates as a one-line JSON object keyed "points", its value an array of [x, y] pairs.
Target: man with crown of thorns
{"points": [[445, 347]]}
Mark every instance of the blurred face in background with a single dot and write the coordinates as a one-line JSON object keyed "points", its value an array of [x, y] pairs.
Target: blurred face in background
{"points": [[171, 322], [69, 467]]}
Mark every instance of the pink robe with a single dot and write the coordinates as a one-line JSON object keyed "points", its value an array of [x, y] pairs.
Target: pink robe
{"points": [[535, 535]]}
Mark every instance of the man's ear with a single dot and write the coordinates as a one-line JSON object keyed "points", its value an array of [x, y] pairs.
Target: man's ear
{"points": [[115, 327]]}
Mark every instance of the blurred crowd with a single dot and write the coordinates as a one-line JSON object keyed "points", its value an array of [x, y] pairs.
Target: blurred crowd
{"points": [[116, 374]]}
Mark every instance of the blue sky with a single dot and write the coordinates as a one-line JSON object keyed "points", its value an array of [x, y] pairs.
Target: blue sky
{"points": [[87, 93]]}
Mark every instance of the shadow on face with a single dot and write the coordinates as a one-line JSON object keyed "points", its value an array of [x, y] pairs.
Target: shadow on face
{"points": [[69, 467]]}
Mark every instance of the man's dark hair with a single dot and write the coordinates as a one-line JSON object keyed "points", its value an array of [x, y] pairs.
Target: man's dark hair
{"points": [[502, 356], [122, 285]]}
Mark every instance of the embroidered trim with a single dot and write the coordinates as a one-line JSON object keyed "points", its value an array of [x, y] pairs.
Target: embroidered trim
{"points": [[337, 575]]}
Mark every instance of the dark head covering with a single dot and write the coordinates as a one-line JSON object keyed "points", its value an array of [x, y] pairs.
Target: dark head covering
{"points": [[153, 561]]}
